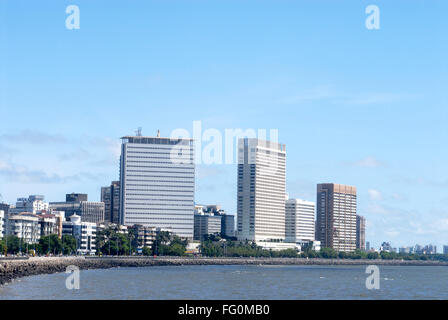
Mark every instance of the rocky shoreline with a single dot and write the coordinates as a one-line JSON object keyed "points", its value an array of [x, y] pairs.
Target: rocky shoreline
{"points": [[12, 269]]}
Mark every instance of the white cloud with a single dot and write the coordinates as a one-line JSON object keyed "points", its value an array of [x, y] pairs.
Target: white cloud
{"points": [[368, 162], [375, 195]]}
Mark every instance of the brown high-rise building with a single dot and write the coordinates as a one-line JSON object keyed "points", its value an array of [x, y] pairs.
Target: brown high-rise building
{"points": [[111, 197], [360, 233], [336, 216]]}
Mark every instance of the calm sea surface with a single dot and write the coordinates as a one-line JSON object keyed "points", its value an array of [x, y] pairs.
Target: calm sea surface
{"points": [[236, 282]]}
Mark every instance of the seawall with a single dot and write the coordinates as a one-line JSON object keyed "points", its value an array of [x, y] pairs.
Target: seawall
{"points": [[11, 269]]}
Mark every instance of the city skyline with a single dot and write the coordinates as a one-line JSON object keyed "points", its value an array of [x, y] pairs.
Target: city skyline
{"points": [[353, 106]]}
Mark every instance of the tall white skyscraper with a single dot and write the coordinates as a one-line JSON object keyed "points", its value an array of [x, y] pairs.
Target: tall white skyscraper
{"points": [[261, 190], [300, 220], [157, 177]]}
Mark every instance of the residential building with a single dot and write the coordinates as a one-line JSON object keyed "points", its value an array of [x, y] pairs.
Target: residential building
{"points": [[157, 178], [360, 233], [445, 249], [83, 232], [25, 226], [144, 236], [367, 245], [261, 190], [336, 216], [34, 204], [78, 204], [48, 224], [300, 220], [110, 195]]}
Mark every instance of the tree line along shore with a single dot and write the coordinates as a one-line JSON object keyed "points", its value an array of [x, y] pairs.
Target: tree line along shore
{"points": [[110, 242], [12, 269]]}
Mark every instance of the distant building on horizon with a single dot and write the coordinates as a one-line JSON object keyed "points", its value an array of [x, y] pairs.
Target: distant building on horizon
{"points": [[157, 183], [336, 216], [34, 204], [300, 220], [445, 249], [261, 190], [360, 233], [110, 195]]}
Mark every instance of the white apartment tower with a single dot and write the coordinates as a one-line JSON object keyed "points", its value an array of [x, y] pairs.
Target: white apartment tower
{"points": [[261, 190], [299, 220], [157, 177]]}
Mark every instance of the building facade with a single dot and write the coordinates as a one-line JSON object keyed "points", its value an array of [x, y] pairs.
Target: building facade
{"points": [[228, 225], [110, 195], [144, 236], [157, 182], [34, 204], [25, 226], [77, 204], [300, 220], [83, 232], [205, 224], [261, 190], [336, 216], [360, 233]]}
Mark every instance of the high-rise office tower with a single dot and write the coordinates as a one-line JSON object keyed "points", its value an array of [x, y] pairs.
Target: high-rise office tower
{"points": [[336, 216], [111, 197], [299, 220], [157, 177], [360, 233], [261, 190]]}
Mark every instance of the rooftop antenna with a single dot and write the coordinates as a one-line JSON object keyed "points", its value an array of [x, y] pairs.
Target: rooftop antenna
{"points": [[158, 133], [139, 132]]}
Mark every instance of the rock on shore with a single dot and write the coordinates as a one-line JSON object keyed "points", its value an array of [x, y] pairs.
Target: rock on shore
{"points": [[11, 269]]}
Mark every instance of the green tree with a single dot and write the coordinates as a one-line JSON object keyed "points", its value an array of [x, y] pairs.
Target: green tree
{"points": [[328, 253], [50, 244], [13, 243], [69, 245]]}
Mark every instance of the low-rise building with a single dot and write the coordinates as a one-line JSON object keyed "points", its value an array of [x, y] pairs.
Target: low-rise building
{"points": [[25, 226], [144, 236]]}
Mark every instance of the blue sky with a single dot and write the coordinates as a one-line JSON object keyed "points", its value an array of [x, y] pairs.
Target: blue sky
{"points": [[353, 106]]}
